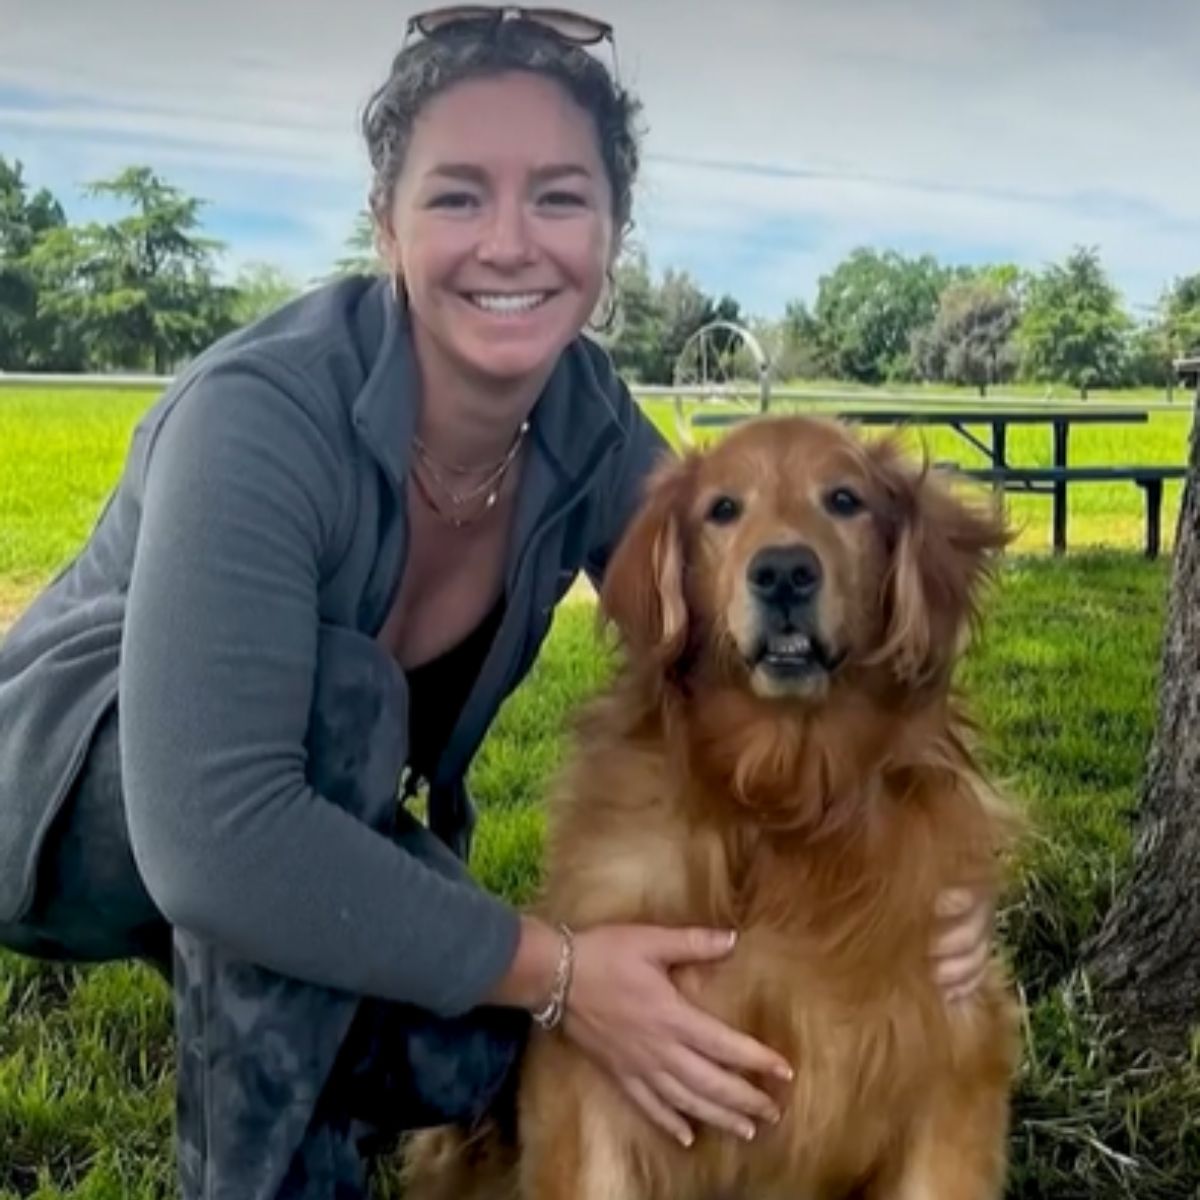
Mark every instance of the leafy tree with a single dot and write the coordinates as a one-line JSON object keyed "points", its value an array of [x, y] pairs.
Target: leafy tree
{"points": [[56, 264], [685, 308], [1181, 315], [970, 340], [870, 306], [259, 289], [1173, 331], [25, 340], [140, 291], [360, 257], [1074, 328], [800, 352], [1148, 357], [636, 338], [1007, 276]]}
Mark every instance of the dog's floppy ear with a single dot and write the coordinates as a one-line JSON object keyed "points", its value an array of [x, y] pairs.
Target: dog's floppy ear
{"points": [[942, 549], [643, 589]]}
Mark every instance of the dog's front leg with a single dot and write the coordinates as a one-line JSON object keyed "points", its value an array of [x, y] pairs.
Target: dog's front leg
{"points": [[579, 1155], [956, 1150], [579, 1135]]}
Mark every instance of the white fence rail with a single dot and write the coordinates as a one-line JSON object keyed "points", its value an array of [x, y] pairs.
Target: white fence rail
{"points": [[865, 396], [113, 381]]}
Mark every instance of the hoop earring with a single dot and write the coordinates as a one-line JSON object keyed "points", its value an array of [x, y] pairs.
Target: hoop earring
{"points": [[611, 306]]}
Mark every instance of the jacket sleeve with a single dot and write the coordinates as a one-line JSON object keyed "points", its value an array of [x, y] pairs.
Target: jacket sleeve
{"points": [[242, 489], [644, 448]]}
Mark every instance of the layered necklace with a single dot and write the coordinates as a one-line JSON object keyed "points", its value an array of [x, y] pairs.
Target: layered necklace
{"points": [[462, 508]]}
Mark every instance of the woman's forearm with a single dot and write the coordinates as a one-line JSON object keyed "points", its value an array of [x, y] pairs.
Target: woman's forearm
{"points": [[530, 978]]}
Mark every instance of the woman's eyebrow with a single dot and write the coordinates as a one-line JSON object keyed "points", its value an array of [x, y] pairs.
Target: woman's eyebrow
{"points": [[465, 171], [473, 173], [561, 171]]}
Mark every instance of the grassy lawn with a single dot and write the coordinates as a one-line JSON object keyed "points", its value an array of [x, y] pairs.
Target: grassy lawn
{"points": [[60, 449], [1063, 680]]}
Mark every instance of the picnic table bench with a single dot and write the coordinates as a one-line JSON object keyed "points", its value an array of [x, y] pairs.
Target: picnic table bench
{"points": [[999, 471], [1187, 370], [1149, 478]]}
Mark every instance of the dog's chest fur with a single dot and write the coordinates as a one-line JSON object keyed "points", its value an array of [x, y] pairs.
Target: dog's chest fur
{"points": [[827, 929]]}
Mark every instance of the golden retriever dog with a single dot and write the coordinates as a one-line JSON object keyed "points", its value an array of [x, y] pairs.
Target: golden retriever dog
{"points": [[782, 753]]}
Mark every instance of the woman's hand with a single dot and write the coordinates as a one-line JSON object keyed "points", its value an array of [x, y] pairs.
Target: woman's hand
{"points": [[962, 941], [674, 1061]]}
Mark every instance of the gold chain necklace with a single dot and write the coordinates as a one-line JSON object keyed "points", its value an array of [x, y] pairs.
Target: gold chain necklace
{"points": [[487, 491]]}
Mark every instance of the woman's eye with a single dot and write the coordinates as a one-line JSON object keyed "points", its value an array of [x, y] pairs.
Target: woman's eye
{"points": [[563, 200], [724, 510], [844, 502], [452, 200]]}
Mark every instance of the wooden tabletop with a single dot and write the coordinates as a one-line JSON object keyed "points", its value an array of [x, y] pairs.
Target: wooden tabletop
{"points": [[952, 416]]}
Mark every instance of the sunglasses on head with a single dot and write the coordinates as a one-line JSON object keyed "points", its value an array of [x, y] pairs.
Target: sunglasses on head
{"points": [[576, 28]]}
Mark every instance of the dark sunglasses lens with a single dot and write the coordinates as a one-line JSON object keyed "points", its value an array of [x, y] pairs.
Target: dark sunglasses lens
{"points": [[570, 26], [427, 24]]}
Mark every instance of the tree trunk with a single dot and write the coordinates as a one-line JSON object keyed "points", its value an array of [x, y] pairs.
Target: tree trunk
{"points": [[1146, 958]]}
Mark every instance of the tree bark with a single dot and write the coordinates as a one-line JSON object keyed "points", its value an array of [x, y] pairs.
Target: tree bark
{"points": [[1146, 959]]}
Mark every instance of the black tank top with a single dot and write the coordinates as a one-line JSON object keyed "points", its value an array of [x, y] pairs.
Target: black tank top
{"points": [[438, 689]]}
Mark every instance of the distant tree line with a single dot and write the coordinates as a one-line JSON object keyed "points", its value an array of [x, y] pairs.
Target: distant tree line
{"points": [[145, 292], [880, 317]]}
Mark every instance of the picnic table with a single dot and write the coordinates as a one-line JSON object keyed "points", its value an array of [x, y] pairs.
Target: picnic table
{"points": [[1187, 370], [1000, 471]]}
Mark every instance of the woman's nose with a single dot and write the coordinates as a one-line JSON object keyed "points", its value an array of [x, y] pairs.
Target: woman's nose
{"points": [[506, 238]]}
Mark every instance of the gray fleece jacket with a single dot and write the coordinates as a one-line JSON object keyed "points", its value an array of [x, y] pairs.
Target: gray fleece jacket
{"points": [[263, 502]]}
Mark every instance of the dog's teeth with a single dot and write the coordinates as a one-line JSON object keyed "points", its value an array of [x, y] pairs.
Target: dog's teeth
{"points": [[795, 644]]}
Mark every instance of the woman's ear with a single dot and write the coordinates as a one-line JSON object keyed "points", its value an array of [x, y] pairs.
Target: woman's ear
{"points": [[942, 549], [383, 237], [643, 589]]}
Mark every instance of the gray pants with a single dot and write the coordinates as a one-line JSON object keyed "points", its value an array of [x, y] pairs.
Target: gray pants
{"points": [[90, 904], [284, 1089]]}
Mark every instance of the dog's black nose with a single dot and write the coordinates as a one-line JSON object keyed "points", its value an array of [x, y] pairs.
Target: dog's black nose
{"points": [[785, 575]]}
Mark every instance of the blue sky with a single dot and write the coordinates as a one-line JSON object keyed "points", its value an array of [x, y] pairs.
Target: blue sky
{"points": [[779, 133]]}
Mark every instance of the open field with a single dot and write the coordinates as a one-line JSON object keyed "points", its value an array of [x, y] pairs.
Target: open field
{"points": [[62, 447], [1063, 681]]}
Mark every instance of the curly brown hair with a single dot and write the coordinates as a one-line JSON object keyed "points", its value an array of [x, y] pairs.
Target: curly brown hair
{"points": [[474, 50]]}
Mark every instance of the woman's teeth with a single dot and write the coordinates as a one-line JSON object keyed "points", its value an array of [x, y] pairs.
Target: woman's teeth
{"points": [[508, 302]]}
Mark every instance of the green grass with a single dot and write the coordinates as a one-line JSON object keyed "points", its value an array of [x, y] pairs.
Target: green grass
{"points": [[61, 448], [60, 451], [1064, 683]]}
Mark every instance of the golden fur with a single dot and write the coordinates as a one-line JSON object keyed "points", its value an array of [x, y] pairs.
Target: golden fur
{"points": [[818, 812]]}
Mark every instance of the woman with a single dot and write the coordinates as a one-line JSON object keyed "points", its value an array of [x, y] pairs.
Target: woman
{"points": [[335, 548]]}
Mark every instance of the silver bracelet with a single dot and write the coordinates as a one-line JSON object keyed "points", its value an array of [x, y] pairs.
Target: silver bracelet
{"points": [[551, 1016]]}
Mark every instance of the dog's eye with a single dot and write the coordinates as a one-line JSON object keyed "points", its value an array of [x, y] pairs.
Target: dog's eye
{"points": [[843, 502], [724, 510]]}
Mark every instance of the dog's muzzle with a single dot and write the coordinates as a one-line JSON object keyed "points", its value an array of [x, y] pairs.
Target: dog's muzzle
{"points": [[785, 582]]}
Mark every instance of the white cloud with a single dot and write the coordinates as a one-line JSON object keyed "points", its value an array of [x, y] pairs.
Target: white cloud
{"points": [[690, 207], [1024, 125]]}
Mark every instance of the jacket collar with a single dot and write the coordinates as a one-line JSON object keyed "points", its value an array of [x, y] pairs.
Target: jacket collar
{"points": [[573, 412]]}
